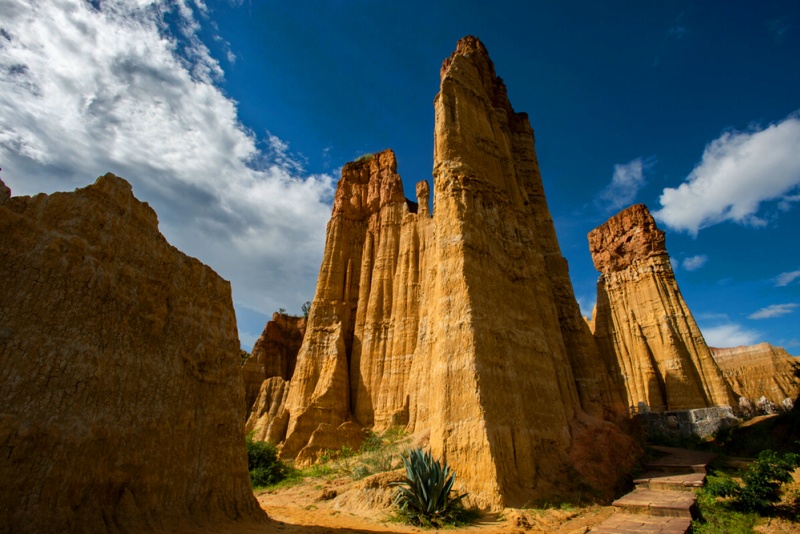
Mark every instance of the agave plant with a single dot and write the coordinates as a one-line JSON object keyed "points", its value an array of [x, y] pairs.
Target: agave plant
{"points": [[424, 496]]}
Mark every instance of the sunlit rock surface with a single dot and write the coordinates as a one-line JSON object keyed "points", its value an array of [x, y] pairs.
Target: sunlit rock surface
{"points": [[761, 370], [641, 323], [461, 321]]}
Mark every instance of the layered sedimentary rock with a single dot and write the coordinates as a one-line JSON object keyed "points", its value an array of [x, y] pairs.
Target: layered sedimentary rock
{"points": [[463, 321], [274, 354], [121, 406], [761, 370], [643, 326]]}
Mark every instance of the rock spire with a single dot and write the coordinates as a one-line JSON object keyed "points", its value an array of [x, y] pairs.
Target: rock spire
{"points": [[462, 322], [643, 326]]}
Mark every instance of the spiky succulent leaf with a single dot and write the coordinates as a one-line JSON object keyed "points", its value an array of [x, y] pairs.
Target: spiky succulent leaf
{"points": [[426, 490]]}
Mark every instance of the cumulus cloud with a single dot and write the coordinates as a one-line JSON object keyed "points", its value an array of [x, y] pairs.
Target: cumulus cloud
{"points": [[737, 173], [692, 263], [774, 310], [784, 279], [127, 86], [729, 335], [628, 178]]}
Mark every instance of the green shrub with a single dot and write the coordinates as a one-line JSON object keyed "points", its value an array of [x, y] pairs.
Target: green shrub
{"points": [[718, 518], [263, 464], [761, 484], [424, 496]]}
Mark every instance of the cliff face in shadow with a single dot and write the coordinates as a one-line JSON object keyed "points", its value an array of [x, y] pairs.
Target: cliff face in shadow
{"points": [[122, 404], [642, 325]]}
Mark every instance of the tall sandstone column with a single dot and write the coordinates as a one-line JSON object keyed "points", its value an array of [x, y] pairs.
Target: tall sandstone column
{"points": [[509, 341], [642, 324], [462, 322]]}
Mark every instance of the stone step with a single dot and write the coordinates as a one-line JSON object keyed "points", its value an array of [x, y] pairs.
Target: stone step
{"points": [[680, 460], [642, 524], [670, 481], [658, 503]]}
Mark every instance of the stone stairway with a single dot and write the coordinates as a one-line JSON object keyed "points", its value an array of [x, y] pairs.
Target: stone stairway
{"points": [[663, 501]]}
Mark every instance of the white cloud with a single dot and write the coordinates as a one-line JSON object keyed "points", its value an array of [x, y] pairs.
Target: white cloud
{"points": [[786, 202], [675, 264], [729, 335], [738, 172], [247, 340], [774, 310], [587, 305], [784, 279], [628, 178], [693, 263], [85, 90]]}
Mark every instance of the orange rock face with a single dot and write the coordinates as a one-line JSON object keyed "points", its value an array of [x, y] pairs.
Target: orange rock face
{"points": [[274, 354], [759, 371], [122, 398], [463, 322], [643, 326]]}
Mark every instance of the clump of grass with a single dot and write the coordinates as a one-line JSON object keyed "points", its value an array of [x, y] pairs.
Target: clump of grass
{"points": [[718, 517]]}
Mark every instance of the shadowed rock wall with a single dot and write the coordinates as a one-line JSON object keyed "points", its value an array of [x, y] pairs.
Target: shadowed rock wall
{"points": [[121, 406]]}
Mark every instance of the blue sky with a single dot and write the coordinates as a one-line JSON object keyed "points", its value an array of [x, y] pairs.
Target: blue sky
{"points": [[233, 119]]}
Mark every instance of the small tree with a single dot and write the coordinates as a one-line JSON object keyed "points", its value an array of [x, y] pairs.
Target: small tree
{"points": [[306, 308]]}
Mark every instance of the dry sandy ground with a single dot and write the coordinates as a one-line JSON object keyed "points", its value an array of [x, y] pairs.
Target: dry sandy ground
{"points": [[365, 506], [338, 505]]}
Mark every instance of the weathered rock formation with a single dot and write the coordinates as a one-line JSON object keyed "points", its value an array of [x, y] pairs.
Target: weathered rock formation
{"points": [[761, 370], [274, 354], [463, 322], [121, 406], [643, 326]]}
